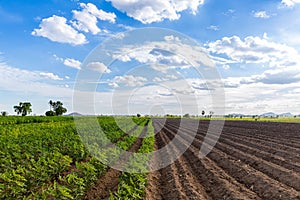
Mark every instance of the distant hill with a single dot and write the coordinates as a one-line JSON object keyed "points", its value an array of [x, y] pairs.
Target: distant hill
{"points": [[74, 114], [269, 114], [236, 115], [286, 115]]}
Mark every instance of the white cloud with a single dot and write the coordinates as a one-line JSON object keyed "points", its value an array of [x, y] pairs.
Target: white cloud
{"points": [[228, 12], [72, 63], [149, 11], [157, 79], [276, 76], [258, 97], [172, 38], [87, 19], [128, 80], [165, 92], [164, 55], [56, 29], [261, 14], [265, 36], [171, 76], [51, 76], [226, 67], [213, 27], [19, 80], [69, 62], [150, 54], [290, 3], [254, 50], [98, 67]]}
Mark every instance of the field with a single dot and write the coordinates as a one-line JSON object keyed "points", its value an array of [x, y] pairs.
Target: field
{"points": [[252, 160], [267, 119], [44, 158]]}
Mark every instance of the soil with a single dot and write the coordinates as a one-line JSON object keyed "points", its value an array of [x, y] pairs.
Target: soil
{"points": [[251, 160]]}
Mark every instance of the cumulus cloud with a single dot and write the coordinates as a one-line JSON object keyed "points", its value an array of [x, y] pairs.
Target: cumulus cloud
{"points": [[98, 67], [51, 76], [276, 76], [172, 38], [253, 50], [70, 62], [149, 11], [128, 80], [87, 19], [164, 55], [290, 3], [169, 52], [261, 14], [56, 29], [166, 93], [151, 54]]}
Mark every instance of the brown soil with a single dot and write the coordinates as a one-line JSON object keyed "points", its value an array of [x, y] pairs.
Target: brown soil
{"points": [[252, 160]]}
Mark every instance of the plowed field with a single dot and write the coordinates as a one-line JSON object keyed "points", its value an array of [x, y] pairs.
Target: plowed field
{"points": [[251, 160]]}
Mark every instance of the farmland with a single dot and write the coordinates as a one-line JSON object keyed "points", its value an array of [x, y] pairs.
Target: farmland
{"points": [[252, 160], [44, 158]]}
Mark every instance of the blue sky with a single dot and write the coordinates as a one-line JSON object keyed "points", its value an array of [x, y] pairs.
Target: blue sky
{"points": [[254, 44]]}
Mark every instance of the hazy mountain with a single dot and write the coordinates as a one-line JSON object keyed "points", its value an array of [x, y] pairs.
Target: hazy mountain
{"points": [[237, 115], [74, 114], [269, 114], [286, 115]]}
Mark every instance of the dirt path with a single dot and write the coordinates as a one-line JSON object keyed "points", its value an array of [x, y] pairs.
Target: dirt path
{"points": [[109, 182]]}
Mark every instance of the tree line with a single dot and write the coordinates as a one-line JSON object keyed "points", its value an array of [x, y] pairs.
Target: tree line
{"points": [[24, 108]]}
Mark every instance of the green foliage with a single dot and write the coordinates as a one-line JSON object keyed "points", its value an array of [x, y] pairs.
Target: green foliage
{"points": [[44, 157], [50, 113], [187, 115], [132, 185], [57, 107], [32, 154], [23, 108], [4, 113]]}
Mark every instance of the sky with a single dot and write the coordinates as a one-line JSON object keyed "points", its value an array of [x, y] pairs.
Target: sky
{"points": [[47, 46]]}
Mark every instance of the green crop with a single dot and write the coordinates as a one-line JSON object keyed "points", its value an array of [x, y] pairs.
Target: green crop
{"points": [[132, 185], [45, 158]]}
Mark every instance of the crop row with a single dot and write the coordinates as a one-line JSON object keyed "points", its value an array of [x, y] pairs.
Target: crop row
{"points": [[132, 185], [49, 160], [32, 119]]}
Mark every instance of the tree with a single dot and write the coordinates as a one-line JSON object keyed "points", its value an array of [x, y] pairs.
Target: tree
{"points": [[57, 107], [51, 104], [203, 113], [50, 113], [23, 108], [4, 113], [187, 115]]}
